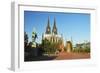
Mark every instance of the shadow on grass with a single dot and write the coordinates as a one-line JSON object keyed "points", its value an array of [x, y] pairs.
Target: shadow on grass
{"points": [[39, 58]]}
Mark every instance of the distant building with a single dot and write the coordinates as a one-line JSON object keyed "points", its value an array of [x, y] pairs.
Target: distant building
{"points": [[69, 46], [52, 35], [83, 45]]}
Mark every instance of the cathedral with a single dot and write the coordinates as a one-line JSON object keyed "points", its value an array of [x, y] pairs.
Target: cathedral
{"points": [[52, 35]]}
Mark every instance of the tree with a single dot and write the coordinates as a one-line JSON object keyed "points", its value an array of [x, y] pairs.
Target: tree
{"points": [[25, 39], [48, 46]]}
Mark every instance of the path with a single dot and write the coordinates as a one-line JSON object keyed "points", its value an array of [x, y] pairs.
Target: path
{"points": [[64, 55]]}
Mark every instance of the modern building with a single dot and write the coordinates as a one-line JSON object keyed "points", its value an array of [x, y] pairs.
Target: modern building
{"points": [[83, 45]]}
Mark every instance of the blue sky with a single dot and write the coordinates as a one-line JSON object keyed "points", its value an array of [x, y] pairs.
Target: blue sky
{"points": [[75, 25]]}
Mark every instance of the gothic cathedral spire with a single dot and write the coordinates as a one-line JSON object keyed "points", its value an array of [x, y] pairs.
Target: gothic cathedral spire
{"points": [[48, 29], [54, 30]]}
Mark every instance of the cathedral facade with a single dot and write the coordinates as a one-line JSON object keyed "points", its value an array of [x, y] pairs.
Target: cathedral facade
{"points": [[52, 35]]}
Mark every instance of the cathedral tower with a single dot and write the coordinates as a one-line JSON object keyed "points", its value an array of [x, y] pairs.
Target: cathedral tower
{"points": [[54, 30], [48, 29]]}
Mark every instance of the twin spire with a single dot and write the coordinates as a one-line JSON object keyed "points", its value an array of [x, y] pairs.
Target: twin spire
{"points": [[48, 29]]}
